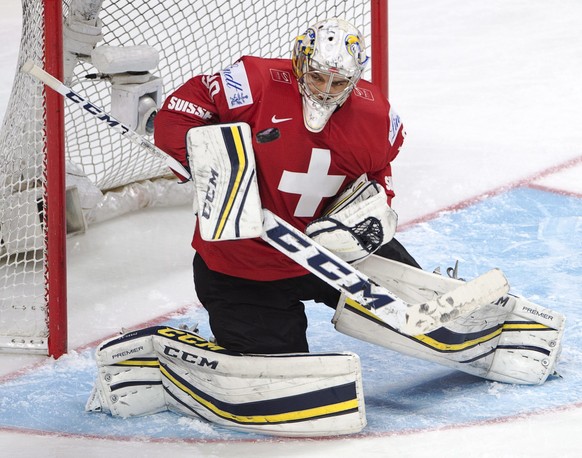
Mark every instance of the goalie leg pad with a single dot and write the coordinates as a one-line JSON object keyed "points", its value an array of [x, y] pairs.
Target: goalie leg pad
{"points": [[285, 394], [530, 344], [222, 162], [129, 382], [523, 352], [510, 340]]}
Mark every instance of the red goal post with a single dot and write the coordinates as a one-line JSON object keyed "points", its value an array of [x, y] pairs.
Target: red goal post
{"points": [[45, 143]]}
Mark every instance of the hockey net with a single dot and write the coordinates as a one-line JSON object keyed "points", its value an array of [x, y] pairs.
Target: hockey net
{"points": [[106, 175]]}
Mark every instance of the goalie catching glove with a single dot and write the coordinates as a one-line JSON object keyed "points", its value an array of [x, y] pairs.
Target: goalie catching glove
{"points": [[357, 223]]}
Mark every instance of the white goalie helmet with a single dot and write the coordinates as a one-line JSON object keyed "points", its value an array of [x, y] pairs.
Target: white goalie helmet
{"points": [[328, 61]]}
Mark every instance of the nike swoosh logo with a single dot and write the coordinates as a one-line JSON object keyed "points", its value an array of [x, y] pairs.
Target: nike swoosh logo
{"points": [[276, 120]]}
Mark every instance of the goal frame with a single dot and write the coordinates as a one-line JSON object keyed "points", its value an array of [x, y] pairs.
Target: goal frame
{"points": [[55, 200], [55, 191]]}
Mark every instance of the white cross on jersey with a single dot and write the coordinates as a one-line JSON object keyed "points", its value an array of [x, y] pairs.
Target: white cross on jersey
{"points": [[314, 185]]}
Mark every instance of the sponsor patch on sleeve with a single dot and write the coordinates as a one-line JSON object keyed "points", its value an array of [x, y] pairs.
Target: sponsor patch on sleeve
{"points": [[236, 86], [395, 124], [280, 76], [363, 93], [177, 104]]}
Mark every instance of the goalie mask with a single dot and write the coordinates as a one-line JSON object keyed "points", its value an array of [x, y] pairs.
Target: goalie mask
{"points": [[328, 61]]}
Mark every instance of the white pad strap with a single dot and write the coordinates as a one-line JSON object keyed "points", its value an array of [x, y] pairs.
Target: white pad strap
{"points": [[129, 382], [287, 395], [529, 345], [510, 340], [222, 162]]}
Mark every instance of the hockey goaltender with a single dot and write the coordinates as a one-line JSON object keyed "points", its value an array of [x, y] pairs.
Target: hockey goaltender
{"points": [[292, 164]]}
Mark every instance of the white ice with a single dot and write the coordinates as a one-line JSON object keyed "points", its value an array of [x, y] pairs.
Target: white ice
{"points": [[490, 95]]}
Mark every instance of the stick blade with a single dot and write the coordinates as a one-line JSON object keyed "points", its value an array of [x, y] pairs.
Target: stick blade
{"points": [[431, 315]]}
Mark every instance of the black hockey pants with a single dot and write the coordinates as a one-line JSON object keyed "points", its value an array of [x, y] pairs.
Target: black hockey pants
{"points": [[251, 316]]}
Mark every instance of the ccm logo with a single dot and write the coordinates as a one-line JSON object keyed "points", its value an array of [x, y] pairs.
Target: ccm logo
{"points": [[328, 267], [92, 109], [189, 357], [210, 195]]}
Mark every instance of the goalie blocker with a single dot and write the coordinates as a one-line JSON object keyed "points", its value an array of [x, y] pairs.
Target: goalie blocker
{"points": [[227, 199]]}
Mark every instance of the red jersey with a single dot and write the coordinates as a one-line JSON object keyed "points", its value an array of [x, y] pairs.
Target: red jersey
{"points": [[298, 172]]}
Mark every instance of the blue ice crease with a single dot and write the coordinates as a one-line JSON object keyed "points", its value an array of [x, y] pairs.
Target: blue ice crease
{"points": [[533, 236]]}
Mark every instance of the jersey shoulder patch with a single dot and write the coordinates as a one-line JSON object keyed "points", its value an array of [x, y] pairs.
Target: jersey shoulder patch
{"points": [[395, 124], [236, 86]]}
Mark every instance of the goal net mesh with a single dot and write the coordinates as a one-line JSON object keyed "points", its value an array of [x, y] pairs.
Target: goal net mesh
{"points": [[113, 175]]}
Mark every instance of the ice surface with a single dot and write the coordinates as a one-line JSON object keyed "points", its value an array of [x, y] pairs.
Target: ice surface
{"points": [[490, 96]]}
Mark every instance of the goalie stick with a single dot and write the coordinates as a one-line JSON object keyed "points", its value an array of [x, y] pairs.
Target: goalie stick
{"points": [[408, 318], [411, 319], [34, 70]]}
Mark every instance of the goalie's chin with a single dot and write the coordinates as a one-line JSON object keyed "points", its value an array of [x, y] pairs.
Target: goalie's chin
{"points": [[315, 115]]}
